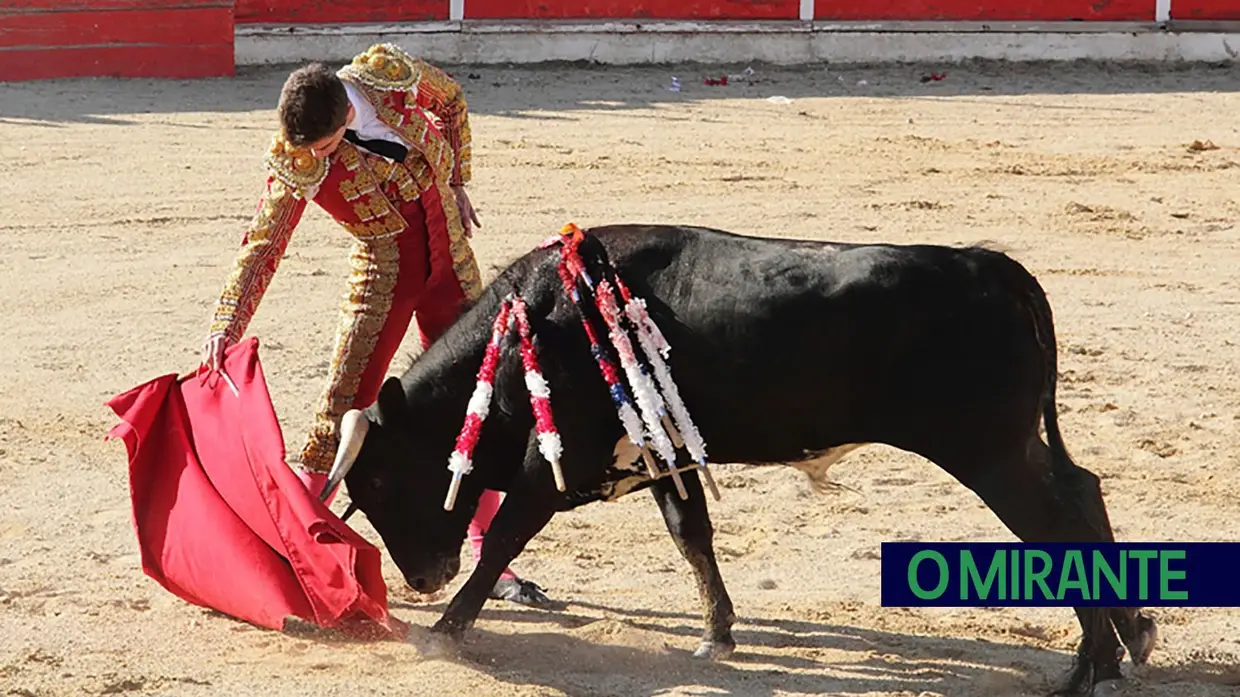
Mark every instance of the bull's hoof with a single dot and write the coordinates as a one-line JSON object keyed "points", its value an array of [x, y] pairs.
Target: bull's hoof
{"points": [[1147, 639], [448, 629], [1084, 676], [1079, 682], [714, 650]]}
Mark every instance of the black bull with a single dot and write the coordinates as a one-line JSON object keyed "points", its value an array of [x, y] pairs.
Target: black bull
{"points": [[785, 352]]}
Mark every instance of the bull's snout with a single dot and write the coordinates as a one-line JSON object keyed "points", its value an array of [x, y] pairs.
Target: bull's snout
{"points": [[422, 584], [434, 580]]}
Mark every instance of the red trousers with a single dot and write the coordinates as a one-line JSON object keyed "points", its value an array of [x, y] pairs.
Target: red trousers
{"points": [[392, 279], [376, 317], [437, 306]]}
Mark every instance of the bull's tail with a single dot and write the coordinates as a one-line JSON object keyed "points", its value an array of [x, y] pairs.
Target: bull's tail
{"points": [[1035, 300]]}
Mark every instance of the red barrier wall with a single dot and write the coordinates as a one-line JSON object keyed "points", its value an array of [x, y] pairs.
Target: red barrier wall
{"points": [[194, 38], [632, 9], [339, 11], [987, 10], [42, 39], [1206, 9]]}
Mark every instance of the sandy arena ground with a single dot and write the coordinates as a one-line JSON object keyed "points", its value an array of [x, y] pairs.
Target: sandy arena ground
{"points": [[123, 202]]}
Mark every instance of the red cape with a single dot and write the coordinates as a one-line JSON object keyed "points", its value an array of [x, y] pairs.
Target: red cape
{"points": [[221, 520]]}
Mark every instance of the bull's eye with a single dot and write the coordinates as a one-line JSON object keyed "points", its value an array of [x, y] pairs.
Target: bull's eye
{"points": [[376, 483]]}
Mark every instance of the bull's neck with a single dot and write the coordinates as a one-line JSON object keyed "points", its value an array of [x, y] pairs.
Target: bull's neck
{"points": [[439, 384]]}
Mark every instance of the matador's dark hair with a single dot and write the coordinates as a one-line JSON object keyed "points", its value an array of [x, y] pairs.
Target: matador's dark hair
{"points": [[313, 104]]}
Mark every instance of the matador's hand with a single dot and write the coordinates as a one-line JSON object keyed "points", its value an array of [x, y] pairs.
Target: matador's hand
{"points": [[213, 352], [469, 217]]}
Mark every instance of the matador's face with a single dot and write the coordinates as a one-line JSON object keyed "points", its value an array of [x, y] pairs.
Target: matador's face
{"points": [[326, 146]]}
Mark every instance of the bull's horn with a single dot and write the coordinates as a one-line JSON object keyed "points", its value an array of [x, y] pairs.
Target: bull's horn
{"points": [[353, 427]]}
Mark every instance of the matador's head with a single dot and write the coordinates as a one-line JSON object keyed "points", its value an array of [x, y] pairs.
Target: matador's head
{"points": [[314, 109]]}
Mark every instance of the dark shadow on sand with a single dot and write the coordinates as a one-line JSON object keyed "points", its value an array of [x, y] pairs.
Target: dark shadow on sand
{"points": [[573, 90], [891, 661], [572, 660]]}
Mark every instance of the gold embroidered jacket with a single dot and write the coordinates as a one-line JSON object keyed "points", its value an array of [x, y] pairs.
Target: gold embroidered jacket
{"points": [[361, 191]]}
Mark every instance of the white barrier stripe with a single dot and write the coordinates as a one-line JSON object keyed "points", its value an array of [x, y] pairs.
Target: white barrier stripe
{"points": [[456, 10], [807, 10], [1162, 10], [780, 44]]}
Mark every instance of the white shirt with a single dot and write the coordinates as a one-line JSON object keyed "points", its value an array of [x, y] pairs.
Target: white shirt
{"points": [[366, 122]]}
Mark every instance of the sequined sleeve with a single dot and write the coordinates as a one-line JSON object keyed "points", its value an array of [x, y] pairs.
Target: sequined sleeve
{"points": [[444, 97], [262, 248]]}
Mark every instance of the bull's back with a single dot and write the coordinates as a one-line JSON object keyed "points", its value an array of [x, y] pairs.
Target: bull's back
{"points": [[821, 343]]}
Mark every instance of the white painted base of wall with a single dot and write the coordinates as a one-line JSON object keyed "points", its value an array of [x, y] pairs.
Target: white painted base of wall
{"points": [[780, 43]]}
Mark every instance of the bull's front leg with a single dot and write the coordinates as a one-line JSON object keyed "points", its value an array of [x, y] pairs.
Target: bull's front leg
{"points": [[521, 516], [689, 523]]}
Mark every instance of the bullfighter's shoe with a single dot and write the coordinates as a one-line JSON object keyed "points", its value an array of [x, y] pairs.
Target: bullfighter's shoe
{"points": [[521, 591]]}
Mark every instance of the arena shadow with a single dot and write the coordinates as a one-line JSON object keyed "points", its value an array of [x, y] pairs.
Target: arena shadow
{"points": [[596, 649], [596, 657], [640, 654], [553, 90]]}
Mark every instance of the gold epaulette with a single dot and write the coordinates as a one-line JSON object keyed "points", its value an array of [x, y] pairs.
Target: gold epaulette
{"points": [[383, 67], [296, 167]]}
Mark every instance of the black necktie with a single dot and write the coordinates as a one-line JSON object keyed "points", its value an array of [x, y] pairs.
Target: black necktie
{"points": [[386, 148]]}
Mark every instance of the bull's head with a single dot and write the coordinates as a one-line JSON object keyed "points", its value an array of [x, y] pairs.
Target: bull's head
{"points": [[397, 475]]}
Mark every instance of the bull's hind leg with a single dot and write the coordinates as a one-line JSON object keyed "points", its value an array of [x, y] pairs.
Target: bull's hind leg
{"points": [[689, 523], [1043, 501], [1137, 630]]}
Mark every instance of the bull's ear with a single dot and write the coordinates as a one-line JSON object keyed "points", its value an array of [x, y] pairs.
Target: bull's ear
{"points": [[391, 402]]}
